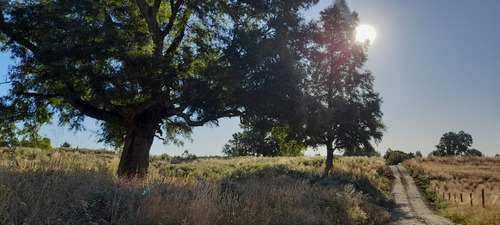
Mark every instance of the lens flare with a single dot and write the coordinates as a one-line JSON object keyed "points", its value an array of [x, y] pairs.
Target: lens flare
{"points": [[365, 32]]}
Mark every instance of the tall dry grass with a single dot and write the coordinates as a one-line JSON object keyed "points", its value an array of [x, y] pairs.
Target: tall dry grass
{"points": [[69, 187], [453, 176]]}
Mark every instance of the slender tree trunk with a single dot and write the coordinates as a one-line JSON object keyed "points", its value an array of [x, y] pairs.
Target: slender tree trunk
{"points": [[329, 157], [134, 160]]}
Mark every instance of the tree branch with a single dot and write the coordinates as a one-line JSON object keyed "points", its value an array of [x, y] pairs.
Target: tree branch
{"points": [[156, 5], [161, 100], [149, 14], [14, 36], [6, 82], [178, 39], [91, 110], [174, 8], [38, 95], [197, 123], [159, 137], [109, 20]]}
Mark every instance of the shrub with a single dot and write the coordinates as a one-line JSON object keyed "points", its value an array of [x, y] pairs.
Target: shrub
{"points": [[394, 157], [12, 153], [66, 145], [36, 142], [473, 152]]}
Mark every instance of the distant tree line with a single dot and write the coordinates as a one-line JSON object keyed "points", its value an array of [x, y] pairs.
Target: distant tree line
{"points": [[450, 144], [253, 142]]}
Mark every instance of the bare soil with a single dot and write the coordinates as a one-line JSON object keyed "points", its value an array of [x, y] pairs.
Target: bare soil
{"points": [[410, 206]]}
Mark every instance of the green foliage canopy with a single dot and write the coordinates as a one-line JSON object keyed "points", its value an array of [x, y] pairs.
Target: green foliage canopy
{"points": [[254, 142], [454, 144], [149, 68], [473, 152], [394, 157]]}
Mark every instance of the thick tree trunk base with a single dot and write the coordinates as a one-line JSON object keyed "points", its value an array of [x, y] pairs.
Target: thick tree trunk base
{"points": [[329, 159], [134, 161]]}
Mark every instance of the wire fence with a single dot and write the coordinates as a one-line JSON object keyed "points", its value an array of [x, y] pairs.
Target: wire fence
{"points": [[476, 198]]}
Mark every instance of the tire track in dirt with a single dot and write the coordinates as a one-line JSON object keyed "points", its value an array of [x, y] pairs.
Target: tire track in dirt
{"points": [[410, 207]]}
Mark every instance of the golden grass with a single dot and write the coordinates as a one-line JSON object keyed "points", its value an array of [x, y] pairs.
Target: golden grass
{"points": [[69, 187], [453, 176]]}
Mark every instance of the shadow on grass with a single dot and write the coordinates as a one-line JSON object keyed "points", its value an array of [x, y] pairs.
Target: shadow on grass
{"points": [[360, 184], [65, 197]]}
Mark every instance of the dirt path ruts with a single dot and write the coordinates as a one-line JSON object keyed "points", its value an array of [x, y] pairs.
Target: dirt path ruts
{"points": [[410, 206]]}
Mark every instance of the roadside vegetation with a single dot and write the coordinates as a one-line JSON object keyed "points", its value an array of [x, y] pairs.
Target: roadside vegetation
{"points": [[65, 186], [452, 176], [394, 157]]}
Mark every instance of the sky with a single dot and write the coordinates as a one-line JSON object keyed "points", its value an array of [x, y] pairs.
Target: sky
{"points": [[436, 66]]}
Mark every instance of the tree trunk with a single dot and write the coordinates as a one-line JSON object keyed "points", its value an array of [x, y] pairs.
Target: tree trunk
{"points": [[134, 160], [329, 158]]}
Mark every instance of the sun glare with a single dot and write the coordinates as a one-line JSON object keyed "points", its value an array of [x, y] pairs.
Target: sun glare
{"points": [[365, 32]]}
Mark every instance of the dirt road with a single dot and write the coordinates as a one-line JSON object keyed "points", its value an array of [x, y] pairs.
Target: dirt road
{"points": [[410, 205]]}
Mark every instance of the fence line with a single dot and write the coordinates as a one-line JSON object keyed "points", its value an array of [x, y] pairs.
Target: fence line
{"points": [[473, 202]]}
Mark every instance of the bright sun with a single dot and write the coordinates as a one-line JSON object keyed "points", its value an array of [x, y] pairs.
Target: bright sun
{"points": [[365, 32]]}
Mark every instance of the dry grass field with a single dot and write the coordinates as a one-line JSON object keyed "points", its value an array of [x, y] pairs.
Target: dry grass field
{"points": [[450, 177], [80, 187]]}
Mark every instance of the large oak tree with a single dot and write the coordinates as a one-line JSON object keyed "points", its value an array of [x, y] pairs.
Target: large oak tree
{"points": [[455, 144], [149, 68]]}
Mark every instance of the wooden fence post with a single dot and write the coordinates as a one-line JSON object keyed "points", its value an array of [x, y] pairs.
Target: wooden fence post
{"points": [[470, 199], [461, 198], [482, 195], [454, 197], [449, 196]]}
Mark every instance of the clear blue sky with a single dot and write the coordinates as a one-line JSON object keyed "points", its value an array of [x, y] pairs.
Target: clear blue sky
{"points": [[436, 65]]}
